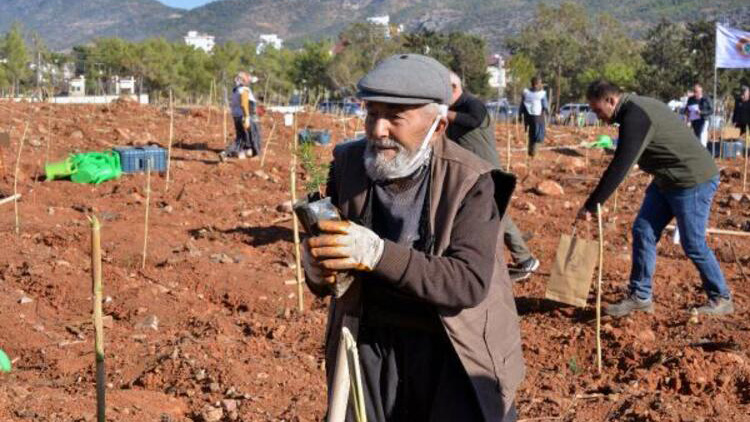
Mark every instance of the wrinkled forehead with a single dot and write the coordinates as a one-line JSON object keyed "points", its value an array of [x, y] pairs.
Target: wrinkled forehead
{"points": [[378, 107]]}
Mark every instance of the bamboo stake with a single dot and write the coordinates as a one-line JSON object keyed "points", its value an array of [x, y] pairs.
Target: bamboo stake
{"points": [[224, 118], [210, 101], [11, 198], [295, 221], [49, 133], [171, 137], [747, 145], [15, 177], [717, 231], [268, 145], [599, 292], [614, 210], [148, 202], [508, 146], [96, 276]]}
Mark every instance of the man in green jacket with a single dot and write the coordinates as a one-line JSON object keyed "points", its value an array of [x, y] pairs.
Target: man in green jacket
{"points": [[685, 180]]}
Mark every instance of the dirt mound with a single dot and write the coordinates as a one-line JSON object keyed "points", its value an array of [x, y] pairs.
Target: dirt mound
{"points": [[209, 329]]}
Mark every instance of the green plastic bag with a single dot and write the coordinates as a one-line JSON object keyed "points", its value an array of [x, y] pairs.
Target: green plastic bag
{"points": [[96, 167]]}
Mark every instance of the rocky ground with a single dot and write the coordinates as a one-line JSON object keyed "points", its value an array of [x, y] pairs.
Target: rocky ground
{"points": [[209, 330]]}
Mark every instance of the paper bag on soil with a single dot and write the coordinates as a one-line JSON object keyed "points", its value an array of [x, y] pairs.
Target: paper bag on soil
{"points": [[572, 270]]}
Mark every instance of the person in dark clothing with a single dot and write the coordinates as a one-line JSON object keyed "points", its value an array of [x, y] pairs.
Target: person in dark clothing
{"points": [[698, 111], [470, 125], [741, 113], [430, 304], [533, 108], [685, 180]]}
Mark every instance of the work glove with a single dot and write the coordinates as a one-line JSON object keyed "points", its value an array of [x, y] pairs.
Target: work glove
{"points": [[346, 246], [246, 123], [315, 273]]}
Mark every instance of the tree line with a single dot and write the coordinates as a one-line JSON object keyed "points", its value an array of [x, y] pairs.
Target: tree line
{"points": [[565, 45]]}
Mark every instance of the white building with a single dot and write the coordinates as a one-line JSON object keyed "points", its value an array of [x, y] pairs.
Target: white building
{"points": [[269, 40], [496, 70], [122, 86], [77, 87], [200, 41], [385, 22]]}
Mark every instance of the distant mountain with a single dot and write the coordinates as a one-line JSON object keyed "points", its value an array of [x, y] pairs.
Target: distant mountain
{"points": [[64, 23]]}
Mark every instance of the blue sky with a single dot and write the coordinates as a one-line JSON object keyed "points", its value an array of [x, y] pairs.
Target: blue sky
{"points": [[185, 4]]}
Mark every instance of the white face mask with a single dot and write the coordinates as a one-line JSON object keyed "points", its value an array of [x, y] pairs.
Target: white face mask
{"points": [[404, 164]]}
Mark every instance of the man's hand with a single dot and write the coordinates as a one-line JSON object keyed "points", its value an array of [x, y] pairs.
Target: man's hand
{"points": [[346, 246], [246, 123], [583, 214], [315, 273]]}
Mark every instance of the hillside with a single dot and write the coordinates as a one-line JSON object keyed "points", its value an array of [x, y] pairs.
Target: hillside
{"points": [[65, 23]]}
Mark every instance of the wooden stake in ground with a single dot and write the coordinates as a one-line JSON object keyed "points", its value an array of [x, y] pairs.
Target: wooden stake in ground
{"points": [[148, 202], [96, 277], [268, 145], [171, 137], [224, 119], [295, 221], [15, 177], [599, 292], [744, 176], [508, 130], [49, 133]]}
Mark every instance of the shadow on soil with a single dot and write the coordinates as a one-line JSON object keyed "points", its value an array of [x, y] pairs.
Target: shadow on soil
{"points": [[260, 236]]}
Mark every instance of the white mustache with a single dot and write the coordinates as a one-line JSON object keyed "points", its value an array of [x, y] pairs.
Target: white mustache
{"points": [[387, 143]]}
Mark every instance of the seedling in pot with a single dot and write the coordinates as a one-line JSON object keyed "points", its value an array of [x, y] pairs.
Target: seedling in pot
{"points": [[315, 207]]}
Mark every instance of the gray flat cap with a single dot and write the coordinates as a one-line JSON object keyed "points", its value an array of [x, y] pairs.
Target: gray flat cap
{"points": [[406, 79]]}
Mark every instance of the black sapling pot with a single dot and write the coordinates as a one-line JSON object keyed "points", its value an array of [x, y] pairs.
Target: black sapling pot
{"points": [[312, 210]]}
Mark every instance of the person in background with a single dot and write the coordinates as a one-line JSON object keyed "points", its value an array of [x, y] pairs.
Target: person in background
{"points": [[741, 113], [698, 111], [243, 105], [470, 125], [685, 179], [533, 108]]}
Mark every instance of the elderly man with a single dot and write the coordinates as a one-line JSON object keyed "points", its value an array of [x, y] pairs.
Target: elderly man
{"points": [[470, 126], [431, 304], [685, 180]]}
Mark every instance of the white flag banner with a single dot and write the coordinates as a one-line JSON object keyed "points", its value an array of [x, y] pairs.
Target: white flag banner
{"points": [[732, 48]]}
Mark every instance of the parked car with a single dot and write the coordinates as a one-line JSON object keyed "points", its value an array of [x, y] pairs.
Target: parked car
{"points": [[347, 108], [502, 112], [576, 113]]}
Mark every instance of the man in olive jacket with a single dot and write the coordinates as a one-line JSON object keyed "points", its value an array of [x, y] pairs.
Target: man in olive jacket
{"points": [[685, 180], [431, 306]]}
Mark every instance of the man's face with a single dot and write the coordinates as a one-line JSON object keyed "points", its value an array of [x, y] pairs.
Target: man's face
{"points": [[698, 90], [604, 108], [537, 86], [395, 132], [745, 95]]}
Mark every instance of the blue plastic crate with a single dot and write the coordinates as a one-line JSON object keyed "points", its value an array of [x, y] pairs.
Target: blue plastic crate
{"points": [[320, 137], [733, 149], [133, 159]]}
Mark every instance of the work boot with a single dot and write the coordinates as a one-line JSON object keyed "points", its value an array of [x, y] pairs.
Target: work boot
{"points": [[523, 270], [717, 306], [628, 305]]}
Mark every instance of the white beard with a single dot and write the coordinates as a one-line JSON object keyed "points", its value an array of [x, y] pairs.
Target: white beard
{"points": [[404, 164]]}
